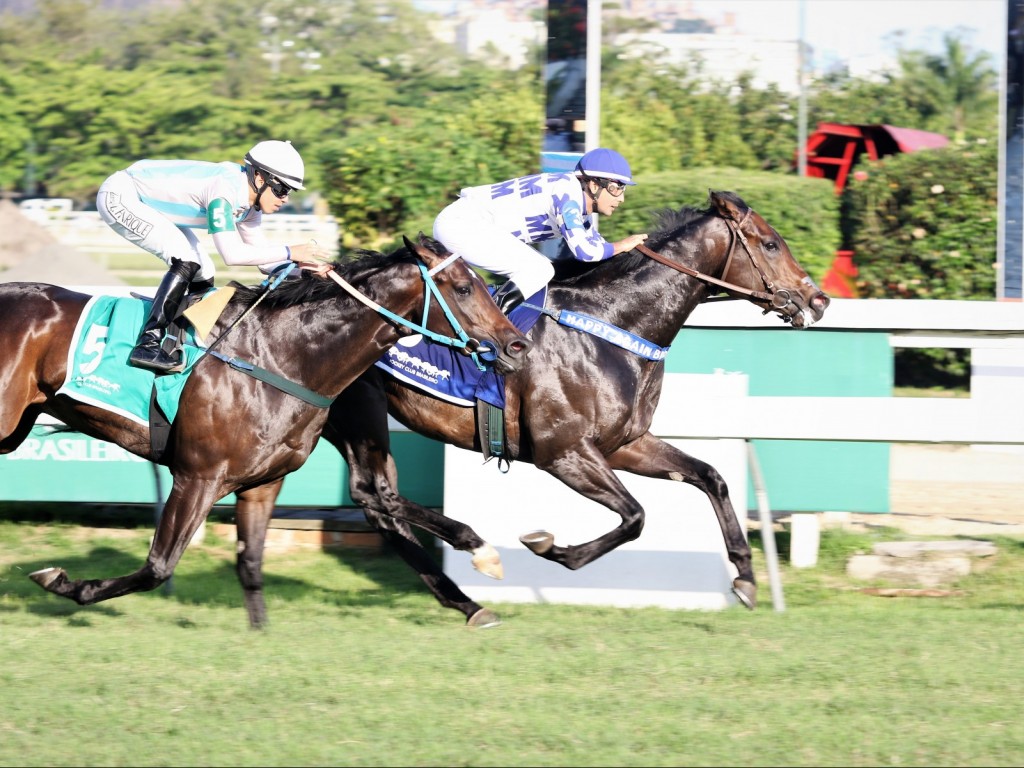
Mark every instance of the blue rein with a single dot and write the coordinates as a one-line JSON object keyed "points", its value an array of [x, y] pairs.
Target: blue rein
{"points": [[480, 353]]}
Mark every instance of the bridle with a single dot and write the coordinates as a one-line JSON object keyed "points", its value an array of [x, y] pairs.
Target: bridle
{"points": [[779, 300], [483, 354]]}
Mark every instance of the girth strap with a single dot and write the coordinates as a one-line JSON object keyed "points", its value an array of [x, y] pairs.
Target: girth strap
{"points": [[274, 380]]}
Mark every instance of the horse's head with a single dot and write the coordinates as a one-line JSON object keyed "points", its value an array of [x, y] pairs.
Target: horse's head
{"points": [[466, 295], [760, 261]]}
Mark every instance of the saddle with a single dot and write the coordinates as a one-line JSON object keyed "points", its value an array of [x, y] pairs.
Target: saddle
{"points": [[449, 375], [200, 309]]}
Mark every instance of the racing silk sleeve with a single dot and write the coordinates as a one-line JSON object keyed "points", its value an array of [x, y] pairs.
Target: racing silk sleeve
{"points": [[541, 207], [584, 241], [245, 244]]}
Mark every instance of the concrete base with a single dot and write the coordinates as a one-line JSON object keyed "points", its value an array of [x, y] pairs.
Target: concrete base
{"points": [[804, 540], [928, 564], [302, 529], [679, 561]]}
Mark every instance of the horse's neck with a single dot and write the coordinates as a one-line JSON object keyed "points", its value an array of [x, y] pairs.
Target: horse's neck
{"points": [[325, 345], [650, 300]]}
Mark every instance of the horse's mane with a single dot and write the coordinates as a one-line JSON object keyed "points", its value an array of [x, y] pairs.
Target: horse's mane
{"points": [[668, 225], [309, 289]]}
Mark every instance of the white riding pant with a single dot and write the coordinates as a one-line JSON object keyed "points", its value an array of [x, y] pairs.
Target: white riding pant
{"points": [[465, 227], [119, 206]]}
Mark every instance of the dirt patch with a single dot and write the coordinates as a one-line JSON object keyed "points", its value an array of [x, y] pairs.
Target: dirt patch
{"points": [[19, 235], [29, 253], [959, 482]]}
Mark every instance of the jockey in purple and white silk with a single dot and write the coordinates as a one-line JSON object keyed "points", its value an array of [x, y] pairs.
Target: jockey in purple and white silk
{"points": [[494, 226]]}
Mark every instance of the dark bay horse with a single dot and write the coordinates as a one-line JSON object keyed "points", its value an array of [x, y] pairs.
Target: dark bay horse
{"points": [[580, 407], [233, 432]]}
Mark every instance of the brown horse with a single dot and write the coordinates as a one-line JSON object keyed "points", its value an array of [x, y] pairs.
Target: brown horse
{"points": [[580, 407], [302, 343]]}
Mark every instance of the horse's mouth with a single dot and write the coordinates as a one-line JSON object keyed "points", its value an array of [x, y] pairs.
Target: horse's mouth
{"points": [[512, 356], [504, 359], [798, 314]]}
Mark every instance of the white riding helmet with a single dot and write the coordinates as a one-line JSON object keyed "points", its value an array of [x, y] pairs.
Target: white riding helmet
{"points": [[280, 159]]}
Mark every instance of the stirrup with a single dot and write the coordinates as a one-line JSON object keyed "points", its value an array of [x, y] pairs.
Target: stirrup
{"points": [[153, 358]]}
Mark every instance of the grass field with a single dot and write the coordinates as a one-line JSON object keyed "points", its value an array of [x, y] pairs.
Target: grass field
{"points": [[361, 667]]}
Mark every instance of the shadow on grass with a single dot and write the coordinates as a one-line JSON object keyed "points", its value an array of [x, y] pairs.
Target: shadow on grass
{"points": [[204, 576]]}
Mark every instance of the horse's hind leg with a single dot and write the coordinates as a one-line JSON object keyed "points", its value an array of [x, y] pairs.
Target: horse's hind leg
{"points": [[187, 507], [358, 427], [12, 437], [253, 512], [650, 456]]}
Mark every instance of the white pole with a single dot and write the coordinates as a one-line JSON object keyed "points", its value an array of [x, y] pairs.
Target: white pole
{"points": [[801, 149], [764, 512], [592, 137]]}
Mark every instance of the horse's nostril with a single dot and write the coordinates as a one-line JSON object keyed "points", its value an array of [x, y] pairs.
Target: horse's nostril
{"points": [[518, 348]]}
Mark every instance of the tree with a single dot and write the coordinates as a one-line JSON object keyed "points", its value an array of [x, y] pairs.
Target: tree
{"points": [[955, 92], [924, 224]]}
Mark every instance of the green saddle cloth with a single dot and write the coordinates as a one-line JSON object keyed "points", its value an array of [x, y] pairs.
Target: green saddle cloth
{"points": [[98, 369]]}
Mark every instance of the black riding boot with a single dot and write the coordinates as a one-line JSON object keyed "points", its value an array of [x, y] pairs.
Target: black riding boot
{"points": [[147, 352], [508, 297], [199, 287]]}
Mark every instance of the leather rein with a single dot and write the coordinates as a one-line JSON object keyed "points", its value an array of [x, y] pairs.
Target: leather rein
{"points": [[779, 300]]}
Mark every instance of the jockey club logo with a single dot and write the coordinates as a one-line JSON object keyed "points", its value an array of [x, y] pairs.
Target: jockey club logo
{"points": [[416, 367]]}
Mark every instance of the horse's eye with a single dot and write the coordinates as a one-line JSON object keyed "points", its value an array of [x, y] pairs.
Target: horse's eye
{"points": [[463, 289], [771, 245]]}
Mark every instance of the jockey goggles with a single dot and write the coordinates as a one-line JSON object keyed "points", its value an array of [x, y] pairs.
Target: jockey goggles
{"points": [[615, 188], [278, 187]]}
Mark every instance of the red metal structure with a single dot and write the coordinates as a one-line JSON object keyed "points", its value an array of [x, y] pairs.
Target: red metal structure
{"points": [[832, 151], [834, 148]]}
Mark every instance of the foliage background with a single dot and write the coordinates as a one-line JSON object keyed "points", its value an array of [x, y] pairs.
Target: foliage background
{"points": [[393, 123]]}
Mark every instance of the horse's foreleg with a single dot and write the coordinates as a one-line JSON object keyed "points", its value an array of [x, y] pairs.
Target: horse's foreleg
{"points": [[187, 507], [253, 511], [402, 539], [585, 471], [358, 428], [650, 456]]}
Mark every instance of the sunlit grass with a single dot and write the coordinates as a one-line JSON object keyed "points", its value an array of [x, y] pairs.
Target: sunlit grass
{"points": [[361, 667]]}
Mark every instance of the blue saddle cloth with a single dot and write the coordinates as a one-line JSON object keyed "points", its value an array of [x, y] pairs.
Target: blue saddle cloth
{"points": [[449, 374]]}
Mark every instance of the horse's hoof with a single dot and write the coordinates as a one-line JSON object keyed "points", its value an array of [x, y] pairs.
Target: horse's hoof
{"points": [[47, 577], [746, 592], [538, 542], [483, 618], [487, 560]]}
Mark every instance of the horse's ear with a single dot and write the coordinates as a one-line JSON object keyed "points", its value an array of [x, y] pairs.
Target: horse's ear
{"points": [[726, 203], [433, 245], [422, 249]]}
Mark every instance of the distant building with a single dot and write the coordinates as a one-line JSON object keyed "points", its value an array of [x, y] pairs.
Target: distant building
{"points": [[723, 55], [500, 33], [512, 29]]}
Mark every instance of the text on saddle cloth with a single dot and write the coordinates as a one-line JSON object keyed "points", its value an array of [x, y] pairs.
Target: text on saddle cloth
{"points": [[98, 372], [448, 374]]}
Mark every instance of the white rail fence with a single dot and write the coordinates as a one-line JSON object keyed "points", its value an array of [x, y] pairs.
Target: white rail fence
{"points": [[993, 414], [86, 232], [680, 561]]}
